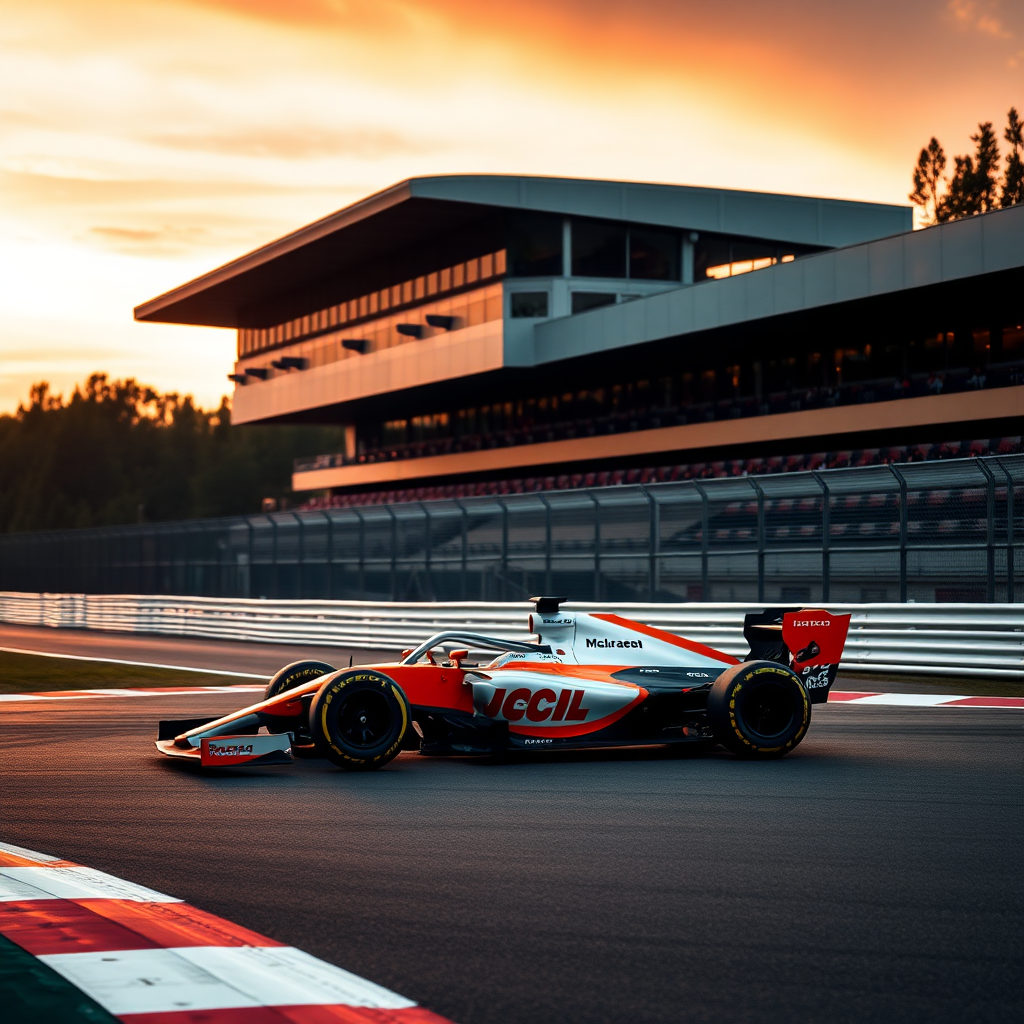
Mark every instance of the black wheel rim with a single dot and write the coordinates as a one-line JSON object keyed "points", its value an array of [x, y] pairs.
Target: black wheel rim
{"points": [[365, 719], [767, 710]]}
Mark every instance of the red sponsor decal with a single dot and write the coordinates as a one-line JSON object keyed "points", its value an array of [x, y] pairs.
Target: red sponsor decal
{"points": [[583, 728], [226, 750], [563, 703], [539, 706], [577, 712], [493, 706], [511, 708], [534, 711], [815, 636]]}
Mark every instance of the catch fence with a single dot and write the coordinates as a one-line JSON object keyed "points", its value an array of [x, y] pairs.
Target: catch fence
{"points": [[949, 530]]}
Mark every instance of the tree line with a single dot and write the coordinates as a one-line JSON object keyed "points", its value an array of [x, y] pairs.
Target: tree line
{"points": [[119, 452], [976, 184]]}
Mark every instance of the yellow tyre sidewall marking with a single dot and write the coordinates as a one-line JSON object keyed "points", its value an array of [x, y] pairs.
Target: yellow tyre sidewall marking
{"points": [[805, 718], [336, 687]]}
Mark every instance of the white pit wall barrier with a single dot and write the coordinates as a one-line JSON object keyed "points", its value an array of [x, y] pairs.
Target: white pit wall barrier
{"points": [[932, 639]]}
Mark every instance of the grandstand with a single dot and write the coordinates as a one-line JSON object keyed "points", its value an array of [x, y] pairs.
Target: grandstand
{"points": [[503, 335]]}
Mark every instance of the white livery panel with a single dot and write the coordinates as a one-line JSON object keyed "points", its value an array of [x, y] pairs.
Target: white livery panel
{"points": [[584, 638]]}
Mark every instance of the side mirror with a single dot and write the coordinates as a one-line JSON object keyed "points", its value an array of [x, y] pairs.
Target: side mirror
{"points": [[457, 657]]}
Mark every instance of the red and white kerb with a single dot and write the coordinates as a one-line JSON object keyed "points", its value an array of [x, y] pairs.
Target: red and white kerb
{"points": [[148, 958]]}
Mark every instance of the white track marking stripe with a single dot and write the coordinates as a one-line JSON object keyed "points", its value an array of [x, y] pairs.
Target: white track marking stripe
{"points": [[174, 691], [20, 851], [17, 890], [80, 883], [135, 664], [925, 700], [909, 700]]}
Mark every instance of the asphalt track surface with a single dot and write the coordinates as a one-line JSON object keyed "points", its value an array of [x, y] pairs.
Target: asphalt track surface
{"points": [[873, 875]]}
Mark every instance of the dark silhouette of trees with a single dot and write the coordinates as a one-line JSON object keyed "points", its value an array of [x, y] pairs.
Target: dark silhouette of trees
{"points": [[1013, 177], [975, 186], [120, 452], [928, 179]]}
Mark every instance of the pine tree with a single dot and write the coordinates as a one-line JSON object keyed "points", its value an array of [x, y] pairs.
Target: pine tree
{"points": [[928, 179], [986, 168], [959, 200], [1013, 179], [974, 186]]}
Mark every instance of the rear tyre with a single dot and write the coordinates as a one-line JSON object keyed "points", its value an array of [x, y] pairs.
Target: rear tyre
{"points": [[359, 719], [759, 709], [294, 675]]}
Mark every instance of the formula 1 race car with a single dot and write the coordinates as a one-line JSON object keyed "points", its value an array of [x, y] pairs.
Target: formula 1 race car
{"points": [[590, 680]]}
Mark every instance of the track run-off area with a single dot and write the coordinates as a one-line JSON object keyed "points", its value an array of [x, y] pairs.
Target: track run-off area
{"points": [[874, 874]]}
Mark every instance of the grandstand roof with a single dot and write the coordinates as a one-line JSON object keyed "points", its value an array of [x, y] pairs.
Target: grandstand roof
{"points": [[417, 209], [939, 255]]}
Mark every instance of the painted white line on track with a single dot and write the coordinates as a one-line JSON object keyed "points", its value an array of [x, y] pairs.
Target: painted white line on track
{"points": [[134, 664], [909, 700], [74, 882], [924, 700], [20, 851], [48, 696]]}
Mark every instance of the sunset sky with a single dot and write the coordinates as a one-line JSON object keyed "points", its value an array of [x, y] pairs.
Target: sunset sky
{"points": [[144, 142]]}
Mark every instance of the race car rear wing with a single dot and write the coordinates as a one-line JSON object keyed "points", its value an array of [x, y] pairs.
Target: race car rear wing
{"points": [[809, 640]]}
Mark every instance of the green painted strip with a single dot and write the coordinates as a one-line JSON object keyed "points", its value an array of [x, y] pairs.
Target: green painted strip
{"points": [[32, 993]]}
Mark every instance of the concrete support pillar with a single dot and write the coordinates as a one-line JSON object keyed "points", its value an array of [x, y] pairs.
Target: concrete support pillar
{"points": [[688, 241]]}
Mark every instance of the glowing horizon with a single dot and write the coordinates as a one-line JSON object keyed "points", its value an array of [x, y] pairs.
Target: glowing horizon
{"points": [[145, 143]]}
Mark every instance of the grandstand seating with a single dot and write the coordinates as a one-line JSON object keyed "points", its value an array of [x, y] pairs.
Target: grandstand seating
{"points": [[692, 471]]}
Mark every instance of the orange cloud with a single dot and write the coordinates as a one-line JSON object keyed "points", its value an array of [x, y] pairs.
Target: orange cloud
{"points": [[981, 16]]}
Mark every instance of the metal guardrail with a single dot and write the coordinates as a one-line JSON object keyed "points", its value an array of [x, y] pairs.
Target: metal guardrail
{"points": [[934, 639]]}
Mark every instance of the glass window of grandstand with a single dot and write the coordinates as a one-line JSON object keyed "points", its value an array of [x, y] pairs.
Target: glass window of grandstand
{"points": [[529, 304], [611, 250], [716, 257], [364, 318], [535, 245], [653, 255], [598, 249], [582, 301]]}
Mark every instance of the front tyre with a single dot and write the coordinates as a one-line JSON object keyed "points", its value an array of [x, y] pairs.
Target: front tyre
{"points": [[295, 674], [759, 709], [358, 719]]}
